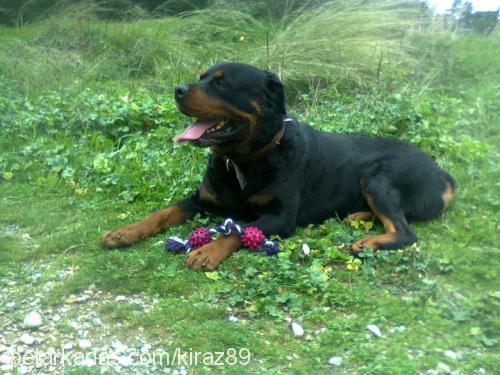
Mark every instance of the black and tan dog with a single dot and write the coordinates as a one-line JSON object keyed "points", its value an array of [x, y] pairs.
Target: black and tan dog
{"points": [[276, 174]]}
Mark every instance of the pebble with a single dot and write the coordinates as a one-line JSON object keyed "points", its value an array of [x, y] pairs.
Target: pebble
{"points": [[84, 344], [6, 368], [5, 359], [26, 339], [297, 329], [335, 361], [120, 298], [119, 347], [233, 319], [71, 299], [305, 249], [374, 329], [24, 370], [88, 362], [32, 320], [443, 367], [124, 361], [67, 346], [451, 354]]}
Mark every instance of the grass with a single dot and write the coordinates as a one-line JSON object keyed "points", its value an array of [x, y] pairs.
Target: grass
{"points": [[87, 116]]}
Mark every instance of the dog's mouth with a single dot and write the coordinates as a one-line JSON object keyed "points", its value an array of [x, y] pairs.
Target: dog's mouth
{"points": [[206, 132]]}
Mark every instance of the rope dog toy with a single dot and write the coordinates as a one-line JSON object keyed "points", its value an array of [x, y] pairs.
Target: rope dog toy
{"points": [[251, 237]]}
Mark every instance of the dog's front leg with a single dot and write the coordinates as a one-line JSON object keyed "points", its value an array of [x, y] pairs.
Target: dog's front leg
{"points": [[152, 224], [208, 257]]}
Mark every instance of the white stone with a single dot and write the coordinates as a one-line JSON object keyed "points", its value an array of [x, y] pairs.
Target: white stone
{"points": [[297, 329], [335, 361], [68, 346], [26, 339], [451, 354], [119, 347], [84, 344], [233, 319], [374, 329], [32, 320], [305, 249], [124, 361], [24, 370], [401, 328], [443, 367], [5, 359], [6, 368], [120, 298], [88, 362]]}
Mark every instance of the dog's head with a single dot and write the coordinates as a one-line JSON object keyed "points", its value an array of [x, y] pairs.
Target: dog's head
{"points": [[233, 104]]}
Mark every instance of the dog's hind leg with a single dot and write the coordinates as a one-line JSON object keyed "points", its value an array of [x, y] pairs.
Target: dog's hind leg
{"points": [[384, 200]]}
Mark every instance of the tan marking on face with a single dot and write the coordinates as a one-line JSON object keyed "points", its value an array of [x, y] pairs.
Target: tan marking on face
{"points": [[219, 74], [202, 106], [260, 199], [447, 195], [255, 105], [198, 104]]}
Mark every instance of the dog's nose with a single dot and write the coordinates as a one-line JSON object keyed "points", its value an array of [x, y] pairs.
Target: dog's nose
{"points": [[181, 91]]}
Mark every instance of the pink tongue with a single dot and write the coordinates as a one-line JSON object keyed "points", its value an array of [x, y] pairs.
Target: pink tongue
{"points": [[194, 131]]}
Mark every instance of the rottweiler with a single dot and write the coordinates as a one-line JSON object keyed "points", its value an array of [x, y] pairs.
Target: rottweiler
{"points": [[275, 173]]}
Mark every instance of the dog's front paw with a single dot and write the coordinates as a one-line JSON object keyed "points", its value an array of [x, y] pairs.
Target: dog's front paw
{"points": [[206, 258], [122, 237]]}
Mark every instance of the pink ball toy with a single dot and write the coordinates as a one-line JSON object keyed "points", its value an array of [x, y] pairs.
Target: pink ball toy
{"points": [[252, 238], [199, 237]]}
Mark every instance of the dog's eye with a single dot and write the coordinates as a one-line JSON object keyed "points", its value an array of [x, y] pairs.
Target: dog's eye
{"points": [[219, 82]]}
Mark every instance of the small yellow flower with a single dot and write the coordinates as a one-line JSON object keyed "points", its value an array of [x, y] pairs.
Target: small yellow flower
{"points": [[242, 38], [71, 183], [8, 176], [124, 215], [353, 264], [81, 191]]}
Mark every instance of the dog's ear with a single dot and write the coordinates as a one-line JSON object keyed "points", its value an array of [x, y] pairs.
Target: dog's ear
{"points": [[275, 88]]}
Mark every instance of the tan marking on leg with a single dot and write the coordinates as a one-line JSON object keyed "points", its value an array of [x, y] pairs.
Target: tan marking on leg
{"points": [[147, 227], [374, 242], [208, 257], [260, 199], [361, 215], [447, 195]]}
